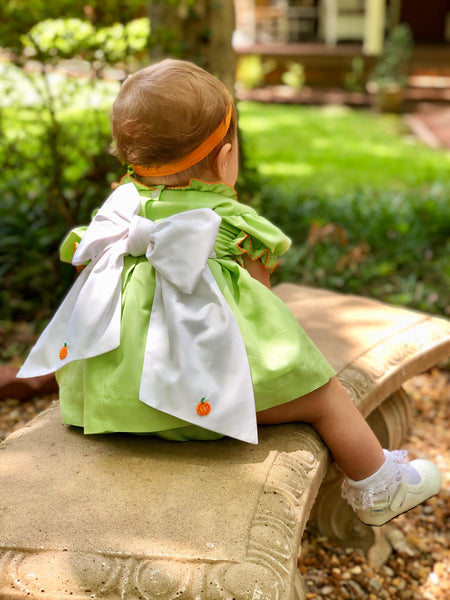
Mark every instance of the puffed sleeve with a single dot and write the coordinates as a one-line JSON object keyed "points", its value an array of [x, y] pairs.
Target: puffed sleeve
{"points": [[258, 238], [70, 244]]}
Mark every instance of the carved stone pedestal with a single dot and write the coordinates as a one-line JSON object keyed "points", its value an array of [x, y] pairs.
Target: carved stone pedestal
{"points": [[134, 518], [125, 517]]}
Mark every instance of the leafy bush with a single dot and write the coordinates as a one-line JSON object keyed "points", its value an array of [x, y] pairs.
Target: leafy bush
{"points": [[294, 76], [368, 214], [388, 245], [19, 16], [55, 167], [55, 39], [251, 71], [393, 64], [54, 158]]}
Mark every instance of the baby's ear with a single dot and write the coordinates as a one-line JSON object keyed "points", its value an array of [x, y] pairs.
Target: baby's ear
{"points": [[221, 160]]}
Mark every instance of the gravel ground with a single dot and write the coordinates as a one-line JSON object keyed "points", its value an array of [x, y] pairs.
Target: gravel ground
{"points": [[419, 566]]}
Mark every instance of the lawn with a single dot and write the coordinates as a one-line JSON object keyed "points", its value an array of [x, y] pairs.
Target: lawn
{"points": [[335, 150], [365, 203]]}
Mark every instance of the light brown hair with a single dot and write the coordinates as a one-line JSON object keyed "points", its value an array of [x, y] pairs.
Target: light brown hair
{"points": [[165, 111]]}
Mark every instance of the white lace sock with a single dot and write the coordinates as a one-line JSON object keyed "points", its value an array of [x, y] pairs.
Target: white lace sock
{"points": [[363, 493]]}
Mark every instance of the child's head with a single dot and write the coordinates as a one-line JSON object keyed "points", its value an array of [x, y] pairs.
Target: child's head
{"points": [[167, 116]]}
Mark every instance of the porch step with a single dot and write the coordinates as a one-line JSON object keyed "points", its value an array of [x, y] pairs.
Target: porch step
{"points": [[328, 66]]}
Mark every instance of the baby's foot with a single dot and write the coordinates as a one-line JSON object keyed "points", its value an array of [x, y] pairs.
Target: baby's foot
{"points": [[402, 495], [395, 488]]}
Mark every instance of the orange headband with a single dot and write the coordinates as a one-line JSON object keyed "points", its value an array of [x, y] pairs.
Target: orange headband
{"points": [[192, 158]]}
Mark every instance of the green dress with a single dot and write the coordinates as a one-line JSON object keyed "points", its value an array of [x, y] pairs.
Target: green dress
{"points": [[101, 394]]}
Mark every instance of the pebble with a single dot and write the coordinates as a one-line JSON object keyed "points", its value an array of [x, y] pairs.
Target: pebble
{"points": [[375, 584], [326, 590], [355, 588], [14, 414]]}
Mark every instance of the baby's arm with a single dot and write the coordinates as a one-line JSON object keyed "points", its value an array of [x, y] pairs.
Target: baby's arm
{"points": [[256, 270]]}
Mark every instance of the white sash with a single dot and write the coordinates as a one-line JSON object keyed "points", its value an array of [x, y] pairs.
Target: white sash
{"points": [[194, 354]]}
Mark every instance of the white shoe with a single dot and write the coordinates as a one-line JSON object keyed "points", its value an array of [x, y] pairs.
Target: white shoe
{"points": [[402, 496]]}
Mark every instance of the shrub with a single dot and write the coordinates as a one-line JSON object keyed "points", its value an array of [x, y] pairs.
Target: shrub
{"points": [[55, 134], [389, 245]]}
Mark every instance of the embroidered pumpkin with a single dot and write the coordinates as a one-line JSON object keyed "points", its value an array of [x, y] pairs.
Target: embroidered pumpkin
{"points": [[203, 408], [63, 352]]}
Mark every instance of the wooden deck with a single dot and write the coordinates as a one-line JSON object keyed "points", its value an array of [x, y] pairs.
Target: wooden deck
{"points": [[327, 66]]}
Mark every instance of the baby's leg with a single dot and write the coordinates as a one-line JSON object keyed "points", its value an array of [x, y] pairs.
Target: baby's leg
{"points": [[379, 485], [344, 430]]}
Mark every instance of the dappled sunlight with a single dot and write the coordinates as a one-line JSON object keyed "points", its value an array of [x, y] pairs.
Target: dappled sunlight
{"points": [[285, 169], [320, 143], [146, 474], [20, 88], [334, 110], [385, 151], [370, 150], [258, 125], [347, 328]]}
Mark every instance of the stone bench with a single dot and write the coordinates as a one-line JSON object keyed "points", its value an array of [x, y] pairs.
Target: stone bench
{"points": [[138, 518]]}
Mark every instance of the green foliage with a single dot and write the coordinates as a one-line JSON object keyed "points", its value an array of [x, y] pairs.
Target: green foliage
{"points": [[355, 80], [389, 245], [55, 167], [294, 76], [393, 65], [251, 71], [57, 38], [54, 159], [19, 16], [117, 42], [368, 214], [52, 40]]}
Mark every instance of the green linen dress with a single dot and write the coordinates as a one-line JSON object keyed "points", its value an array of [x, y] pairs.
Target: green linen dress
{"points": [[101, 394]]}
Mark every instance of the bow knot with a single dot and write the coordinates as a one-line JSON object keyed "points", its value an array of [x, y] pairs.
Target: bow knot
{"points": [[194, 346], [139, 236]]}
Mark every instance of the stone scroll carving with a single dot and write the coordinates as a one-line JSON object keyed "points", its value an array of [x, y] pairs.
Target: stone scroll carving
{"points": [[267, 569], [381, 371]]}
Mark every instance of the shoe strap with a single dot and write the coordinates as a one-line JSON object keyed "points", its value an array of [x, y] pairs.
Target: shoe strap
{"points": [[400, 494]]}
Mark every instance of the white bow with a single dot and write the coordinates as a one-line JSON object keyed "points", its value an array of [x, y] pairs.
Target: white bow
{"points": [[194, 352]]}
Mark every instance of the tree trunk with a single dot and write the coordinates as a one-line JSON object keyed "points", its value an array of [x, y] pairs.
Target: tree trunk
{"points": [[198, 31]]}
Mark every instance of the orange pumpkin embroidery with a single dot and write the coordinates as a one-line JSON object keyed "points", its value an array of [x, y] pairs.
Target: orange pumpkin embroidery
{"points": [[63, 352], [203, 408]]}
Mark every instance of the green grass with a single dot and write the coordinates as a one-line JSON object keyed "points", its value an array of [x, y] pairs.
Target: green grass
{"points": [[336, 150], [378, 199]]}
